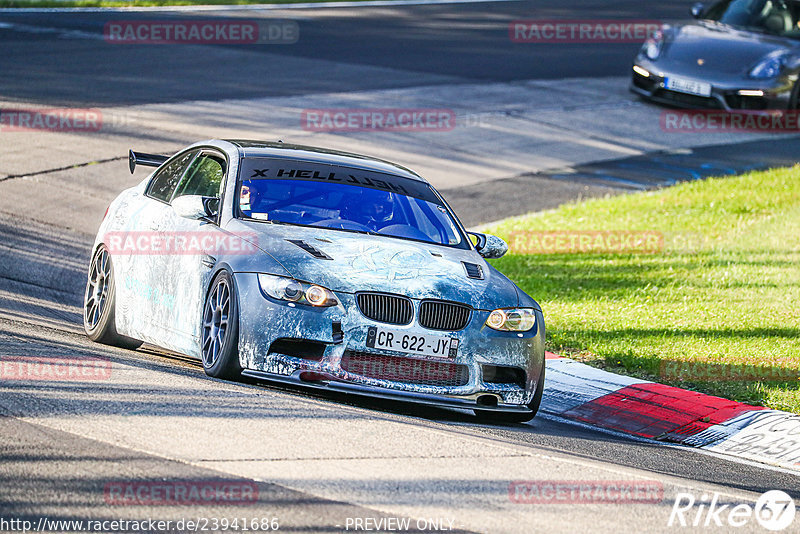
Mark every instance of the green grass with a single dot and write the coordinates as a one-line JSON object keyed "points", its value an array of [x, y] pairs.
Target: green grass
{"points": [[729, 301], [141, 3]]}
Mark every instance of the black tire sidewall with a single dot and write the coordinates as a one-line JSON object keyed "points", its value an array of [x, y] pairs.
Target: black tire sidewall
{"points": [[105, 331], [227, 365], [105, 323]]}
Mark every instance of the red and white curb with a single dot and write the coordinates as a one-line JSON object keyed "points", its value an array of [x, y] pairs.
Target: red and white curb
{"points": [[645, 409]]}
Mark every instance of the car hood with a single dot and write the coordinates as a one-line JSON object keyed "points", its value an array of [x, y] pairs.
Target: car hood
{"points": [[350, 262], [702, 49]]}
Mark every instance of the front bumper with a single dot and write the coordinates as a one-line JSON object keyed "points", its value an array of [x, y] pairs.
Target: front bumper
{"points": [[725, 92], [317, 348]]}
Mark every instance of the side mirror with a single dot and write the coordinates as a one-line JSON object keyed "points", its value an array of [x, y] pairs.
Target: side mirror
{"points": [[697, 10], [196, 207], [489, 246]]}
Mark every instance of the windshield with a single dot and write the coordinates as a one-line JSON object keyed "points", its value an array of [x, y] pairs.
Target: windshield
{"points": [[776, 17], [332, 197]]}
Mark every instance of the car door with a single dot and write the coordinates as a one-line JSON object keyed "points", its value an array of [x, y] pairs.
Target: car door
{"points": [[190, 269], [148, 301]]}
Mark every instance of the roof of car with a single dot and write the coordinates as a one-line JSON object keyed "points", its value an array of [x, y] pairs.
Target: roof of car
{"points": [[250, 148]]}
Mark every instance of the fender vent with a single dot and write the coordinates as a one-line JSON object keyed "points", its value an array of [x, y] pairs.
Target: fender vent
{"points": [[473, 270], [317, 253]]}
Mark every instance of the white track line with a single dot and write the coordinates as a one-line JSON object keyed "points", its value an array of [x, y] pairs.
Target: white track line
{"points": [[250, 7]]}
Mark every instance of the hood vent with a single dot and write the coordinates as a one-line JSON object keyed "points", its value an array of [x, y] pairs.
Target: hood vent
{"points": [[473, 270], [317, 253]]}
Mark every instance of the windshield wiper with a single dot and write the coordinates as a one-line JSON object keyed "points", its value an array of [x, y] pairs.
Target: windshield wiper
{"points": [[268, 221]]}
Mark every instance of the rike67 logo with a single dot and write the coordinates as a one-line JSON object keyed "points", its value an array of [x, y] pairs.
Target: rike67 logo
{"points": [[774, 510]]}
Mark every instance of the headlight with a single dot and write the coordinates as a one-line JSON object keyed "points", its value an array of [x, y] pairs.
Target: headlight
{"points": [[653, 45], [512, 319], [290, 290], [769, 67]]}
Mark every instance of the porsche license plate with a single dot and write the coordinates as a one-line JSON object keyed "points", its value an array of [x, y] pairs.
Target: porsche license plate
{"points": [[427, 345], [683, 85]]}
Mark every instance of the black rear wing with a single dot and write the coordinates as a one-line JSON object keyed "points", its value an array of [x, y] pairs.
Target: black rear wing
{"points": [[146, 160]]}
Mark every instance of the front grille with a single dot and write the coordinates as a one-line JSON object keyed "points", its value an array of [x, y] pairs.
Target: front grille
{"points": [[384, 308], [746, 102], [443, 315], [695, 101], [406, 370]]}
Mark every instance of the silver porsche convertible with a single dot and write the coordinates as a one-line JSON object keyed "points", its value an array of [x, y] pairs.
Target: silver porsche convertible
{"points": [[317, 268], [736, 55]]}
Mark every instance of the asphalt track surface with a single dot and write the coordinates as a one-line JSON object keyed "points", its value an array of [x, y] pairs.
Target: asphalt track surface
{"points": [[317, 459], [406, 46]]}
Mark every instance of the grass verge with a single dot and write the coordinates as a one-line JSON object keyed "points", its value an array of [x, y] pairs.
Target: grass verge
{"points": [[715, 309]]}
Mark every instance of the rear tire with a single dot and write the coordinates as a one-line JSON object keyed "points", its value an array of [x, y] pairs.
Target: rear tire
{"points": [[513, 417], [219, 341], [99, 302]]}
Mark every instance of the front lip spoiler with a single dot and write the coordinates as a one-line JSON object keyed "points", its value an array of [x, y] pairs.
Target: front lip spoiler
{"points": [[676, 104], [383, 393]]}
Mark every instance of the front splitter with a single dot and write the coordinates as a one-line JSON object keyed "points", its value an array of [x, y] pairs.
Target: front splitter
{"points": [[383, 393]]}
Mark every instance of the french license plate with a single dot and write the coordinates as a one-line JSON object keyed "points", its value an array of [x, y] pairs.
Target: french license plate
{"points": [[682, 85], [427, 345]]}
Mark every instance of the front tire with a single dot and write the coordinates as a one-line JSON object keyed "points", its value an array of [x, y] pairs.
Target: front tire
{"points": [[99, 302], [219, 346], [512, 417]]}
